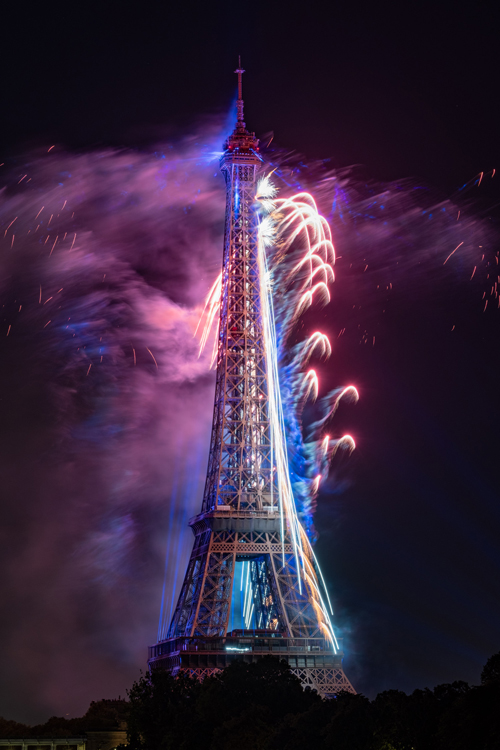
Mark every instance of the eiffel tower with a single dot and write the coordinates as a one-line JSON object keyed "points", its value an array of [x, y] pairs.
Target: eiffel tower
{"points": [[244, 556]]}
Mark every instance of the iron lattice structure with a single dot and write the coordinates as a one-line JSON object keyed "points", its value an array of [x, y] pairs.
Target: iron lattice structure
{"points": [[240, 515]]}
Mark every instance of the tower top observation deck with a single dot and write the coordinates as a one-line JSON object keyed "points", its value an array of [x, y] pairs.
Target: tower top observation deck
{"points": [[241, 141]]}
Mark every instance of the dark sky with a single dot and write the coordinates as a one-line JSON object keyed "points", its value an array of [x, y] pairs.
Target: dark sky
{"points": [[409, 526], [405, 90]]}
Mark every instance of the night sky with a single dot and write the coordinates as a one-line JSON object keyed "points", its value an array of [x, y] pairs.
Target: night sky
{"points": [[375, 108]]}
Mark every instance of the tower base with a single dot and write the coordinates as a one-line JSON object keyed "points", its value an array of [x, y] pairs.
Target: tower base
{"points": [[312, 660]]}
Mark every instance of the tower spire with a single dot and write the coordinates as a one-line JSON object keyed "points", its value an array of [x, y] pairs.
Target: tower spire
{"points": [[239, 104], [240, 139]]}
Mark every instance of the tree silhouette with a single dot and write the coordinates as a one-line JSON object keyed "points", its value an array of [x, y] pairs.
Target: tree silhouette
{"points": [[491, 670], [263, 706]]}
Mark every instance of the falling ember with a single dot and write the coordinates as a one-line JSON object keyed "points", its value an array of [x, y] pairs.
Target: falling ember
{"points": [[11, 223], [89, 368], [154, 360], [454, 251]]}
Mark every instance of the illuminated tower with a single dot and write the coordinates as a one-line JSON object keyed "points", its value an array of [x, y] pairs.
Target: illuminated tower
{"points": [[242, 549]]}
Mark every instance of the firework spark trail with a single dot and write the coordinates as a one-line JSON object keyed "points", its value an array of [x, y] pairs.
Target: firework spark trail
{"points": [[301, 243], [294, 218], [306, 270], [404, 233], [302, 248], [393, 237], [452, 253], [210, 313]]}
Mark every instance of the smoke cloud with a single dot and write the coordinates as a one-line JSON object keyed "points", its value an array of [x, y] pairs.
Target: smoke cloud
{"points": [[105, 260], [106, 408]]}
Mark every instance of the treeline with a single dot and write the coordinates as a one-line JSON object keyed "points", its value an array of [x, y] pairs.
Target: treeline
{"points": [[102, 715], [263, 706]]}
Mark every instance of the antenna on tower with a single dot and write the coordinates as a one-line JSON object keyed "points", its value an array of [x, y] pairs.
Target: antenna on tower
{"points": [[239, 103]]}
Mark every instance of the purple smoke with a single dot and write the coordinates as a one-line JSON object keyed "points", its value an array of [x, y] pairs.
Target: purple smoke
{"points": [[107, 408], [96, 436]]}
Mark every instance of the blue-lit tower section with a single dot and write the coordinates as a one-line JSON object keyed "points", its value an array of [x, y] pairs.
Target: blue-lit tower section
{"points": [[243, 557]]}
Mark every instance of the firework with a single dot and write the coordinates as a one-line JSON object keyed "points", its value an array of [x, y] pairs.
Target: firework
{"points": [[302, 248], [296, 258]]}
